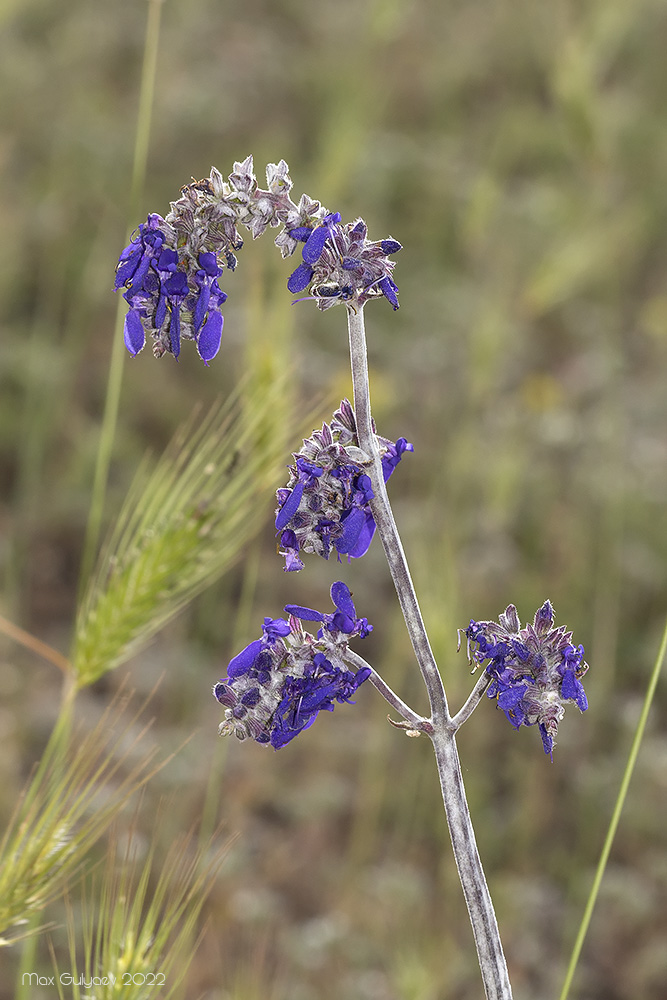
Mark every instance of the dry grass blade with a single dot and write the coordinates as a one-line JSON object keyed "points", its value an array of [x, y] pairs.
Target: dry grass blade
{"points": [[136, 932], [182, 526], [70, 801]]}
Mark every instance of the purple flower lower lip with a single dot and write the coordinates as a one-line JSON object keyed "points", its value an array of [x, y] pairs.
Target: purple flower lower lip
{"points": [[300, 233], [300, 279], [314, 245], [133, 333], [389, 290], [290, 507], [242, 663], [352, 525], [209, 340], [342, 598], [305, 614]]}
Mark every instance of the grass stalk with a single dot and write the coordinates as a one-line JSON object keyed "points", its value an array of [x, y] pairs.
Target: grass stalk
{"points": [[114, 383], [616, 815]]}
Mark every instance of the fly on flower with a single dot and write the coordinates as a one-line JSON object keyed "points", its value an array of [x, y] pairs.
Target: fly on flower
{"points": [[340, 263]]}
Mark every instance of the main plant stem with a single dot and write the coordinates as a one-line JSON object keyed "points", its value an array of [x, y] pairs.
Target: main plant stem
{"points": [[440, 727]]}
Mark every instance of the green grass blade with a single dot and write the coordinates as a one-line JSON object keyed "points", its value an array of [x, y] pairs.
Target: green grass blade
{"points": [[112, 401], [182, 526], [137, 923], [613, 825], [66, 808]]}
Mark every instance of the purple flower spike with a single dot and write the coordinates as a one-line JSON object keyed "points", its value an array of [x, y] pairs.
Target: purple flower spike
{"points": [[208, 341], [340, 263], [535, 671], [172, 286], [133, 333], [200, 236], [276, 687]]}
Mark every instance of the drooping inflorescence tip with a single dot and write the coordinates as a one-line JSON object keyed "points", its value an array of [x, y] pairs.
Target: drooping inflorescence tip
{"points": [[325, 506], [170, 269], [277, 685], [535, 670], [172, 293]]}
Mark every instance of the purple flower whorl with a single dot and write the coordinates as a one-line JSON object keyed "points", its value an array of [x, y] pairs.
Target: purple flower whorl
{"points": [[277, 685], [535, 671], [325, 505]]}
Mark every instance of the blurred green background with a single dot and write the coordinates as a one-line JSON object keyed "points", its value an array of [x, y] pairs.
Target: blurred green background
{"points": [[519, 153]]}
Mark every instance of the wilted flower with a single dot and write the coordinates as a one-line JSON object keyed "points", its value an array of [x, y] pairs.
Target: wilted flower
{"points": [[325, 504], [535, 670], [276, 686]]}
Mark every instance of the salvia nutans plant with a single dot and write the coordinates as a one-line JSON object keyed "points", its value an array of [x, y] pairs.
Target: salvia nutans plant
{"points": [[334, 501]]}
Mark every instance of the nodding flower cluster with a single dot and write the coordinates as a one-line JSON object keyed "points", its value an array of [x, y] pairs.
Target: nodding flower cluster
{"points": [[172, 293], [325, 504], [277, 685], [171, 267], [534, 670]]}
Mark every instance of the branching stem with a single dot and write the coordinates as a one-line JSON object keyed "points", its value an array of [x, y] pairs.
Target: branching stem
{"points": [[417, 722], [442, 727]]}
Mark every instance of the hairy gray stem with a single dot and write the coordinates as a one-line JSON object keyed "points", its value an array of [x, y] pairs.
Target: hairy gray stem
{"points": [[473, 882], [472, 701], [475, 890], [417, 722], [384, 519]]}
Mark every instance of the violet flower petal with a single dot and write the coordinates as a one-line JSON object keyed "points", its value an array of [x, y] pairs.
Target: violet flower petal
{"points": [[133, 333], [208, 341]]}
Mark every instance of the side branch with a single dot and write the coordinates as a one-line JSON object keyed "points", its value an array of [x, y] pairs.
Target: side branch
{"points": [[417, 722], [472, 701]]}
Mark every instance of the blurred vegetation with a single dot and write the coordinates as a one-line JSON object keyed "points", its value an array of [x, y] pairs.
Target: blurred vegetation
{"points": [[518, 151]]}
